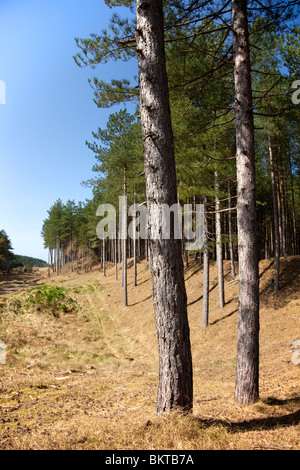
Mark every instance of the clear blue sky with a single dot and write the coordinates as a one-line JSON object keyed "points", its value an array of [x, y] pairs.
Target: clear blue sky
{"points": [[49, 111]]}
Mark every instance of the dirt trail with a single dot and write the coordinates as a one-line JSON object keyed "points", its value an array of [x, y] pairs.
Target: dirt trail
{"points": [[14, 282]]}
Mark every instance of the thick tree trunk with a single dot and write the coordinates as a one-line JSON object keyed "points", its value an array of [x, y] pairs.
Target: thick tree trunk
{"points": [[219, 250], [247, 377], [275, 217], [175, 389], [205, 307]]}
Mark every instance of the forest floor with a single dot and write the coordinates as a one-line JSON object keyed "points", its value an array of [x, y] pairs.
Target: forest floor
{"points": [[81, 371]]}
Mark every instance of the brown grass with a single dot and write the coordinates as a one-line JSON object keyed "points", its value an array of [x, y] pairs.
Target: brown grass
{"points": [[88, 379]]}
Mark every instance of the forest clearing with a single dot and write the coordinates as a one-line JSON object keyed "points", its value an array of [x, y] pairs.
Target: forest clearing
{"points": [[87, 378], [167, 313]]}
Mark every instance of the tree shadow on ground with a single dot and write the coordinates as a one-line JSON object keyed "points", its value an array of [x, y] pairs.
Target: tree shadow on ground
{"points": [[289, 283], [225, 316], [140, 301], [267, 269], [143, 282], [201, 296], [199, 268], [257, 424]]}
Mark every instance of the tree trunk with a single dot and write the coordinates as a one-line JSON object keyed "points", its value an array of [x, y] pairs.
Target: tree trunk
{"points": [[175, 389], [71, 253], [247, 377], [293, 208], [116, 259], [57, 258], [279, 208], [205, 308], [283, 206], [124, 245], [134, 249], [230, 234], [52, 260], [219, 250], [49, 262], [275, 217], [82, 258], [104, 257]]}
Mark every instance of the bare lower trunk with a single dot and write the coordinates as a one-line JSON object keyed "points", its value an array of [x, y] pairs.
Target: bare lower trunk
{"points": [[175, 389], [134, 251], [293, 209], [219, 251], [283, 205], [103, 257], [230, 234], [49, 262], [82, 262], [275, 218], [57, 252], [124, 245], [116, 259], [205, 308], [247, 377]]}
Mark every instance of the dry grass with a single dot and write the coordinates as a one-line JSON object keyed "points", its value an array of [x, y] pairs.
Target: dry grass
{"points": [[87, 379]]}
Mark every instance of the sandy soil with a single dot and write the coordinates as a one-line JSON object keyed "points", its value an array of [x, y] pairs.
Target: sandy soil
{"points": [[88, 379]]}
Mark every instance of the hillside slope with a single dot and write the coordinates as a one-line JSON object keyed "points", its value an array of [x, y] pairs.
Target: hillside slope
{"points": [[81, 370]]}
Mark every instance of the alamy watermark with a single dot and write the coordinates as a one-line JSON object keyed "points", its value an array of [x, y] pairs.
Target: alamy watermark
{"points": [[160, 222], [296, 353], [296, 94], [2, 92], [2, 353]]}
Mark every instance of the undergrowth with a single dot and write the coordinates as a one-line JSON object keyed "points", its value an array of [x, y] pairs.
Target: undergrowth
{"points": [[49, 299]]}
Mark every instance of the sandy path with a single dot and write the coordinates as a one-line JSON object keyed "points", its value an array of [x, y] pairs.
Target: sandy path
{"points": [[14, 282]]}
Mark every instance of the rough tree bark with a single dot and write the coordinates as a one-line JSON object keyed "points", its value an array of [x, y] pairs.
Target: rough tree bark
{"points": [[175, 389], [247, 376]]}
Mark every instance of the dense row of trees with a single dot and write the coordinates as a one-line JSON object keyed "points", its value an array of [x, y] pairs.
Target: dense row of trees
{"points": [[6, 252], [215, 124], [8, 260], [28, 261]]}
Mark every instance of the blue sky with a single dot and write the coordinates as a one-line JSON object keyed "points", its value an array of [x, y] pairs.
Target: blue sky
{"points": [[49, 111]]}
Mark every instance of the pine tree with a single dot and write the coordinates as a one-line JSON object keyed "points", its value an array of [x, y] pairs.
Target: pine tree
{"points": [[169, 297], [247, 380]]}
